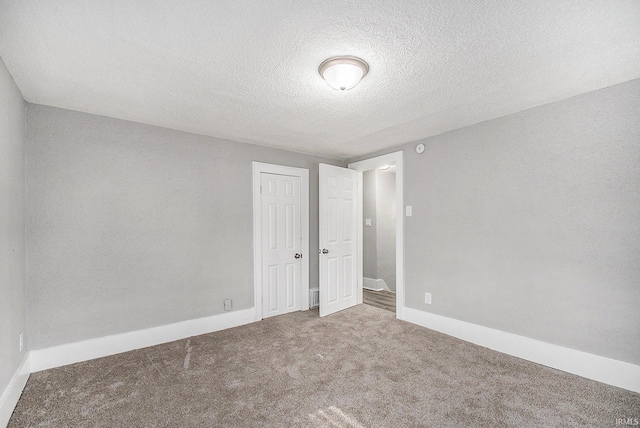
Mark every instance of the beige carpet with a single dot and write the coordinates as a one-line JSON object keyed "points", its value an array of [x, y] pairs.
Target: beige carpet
{"points": [[357, 368]]}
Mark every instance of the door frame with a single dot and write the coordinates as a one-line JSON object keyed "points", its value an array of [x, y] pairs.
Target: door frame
{"points": [[366, 165], [303, 173]]}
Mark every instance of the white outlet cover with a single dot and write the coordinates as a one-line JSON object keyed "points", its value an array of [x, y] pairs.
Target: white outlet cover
{"points": [[427, 298], [367, 222], [409, 210]]}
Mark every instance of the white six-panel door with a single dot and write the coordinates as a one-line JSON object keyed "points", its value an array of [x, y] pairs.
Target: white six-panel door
{"points": [[281, 244], [338, 239]]}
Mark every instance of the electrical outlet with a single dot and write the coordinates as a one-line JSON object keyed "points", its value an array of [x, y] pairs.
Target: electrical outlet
{"points": [[409, 210], [21, 342], [227, 304], [427, 298]]}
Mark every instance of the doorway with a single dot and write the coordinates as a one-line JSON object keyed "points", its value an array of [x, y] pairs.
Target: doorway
{"points": [[388, 276], [379, 237]]}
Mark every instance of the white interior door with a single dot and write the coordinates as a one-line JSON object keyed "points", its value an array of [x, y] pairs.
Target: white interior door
{"points": [[338, 239], [281, 244]]}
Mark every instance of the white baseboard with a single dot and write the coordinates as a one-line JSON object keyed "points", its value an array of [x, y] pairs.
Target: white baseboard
{"points": [[43, 359], [12, 392], [375, 284], [602, 369]]}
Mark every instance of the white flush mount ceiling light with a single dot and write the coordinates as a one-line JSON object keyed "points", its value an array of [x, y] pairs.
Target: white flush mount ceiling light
{"points": [[343, 72]]}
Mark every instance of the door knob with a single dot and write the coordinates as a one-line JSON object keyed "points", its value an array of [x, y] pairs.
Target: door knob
{"points": [[325, 251], [298, 256]]}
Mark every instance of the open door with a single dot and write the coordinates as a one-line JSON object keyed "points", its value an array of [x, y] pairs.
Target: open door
{"points": [[338, 239]]}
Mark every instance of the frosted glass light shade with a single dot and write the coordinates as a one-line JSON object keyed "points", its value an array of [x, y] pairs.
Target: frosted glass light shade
{"points": [[343, 73]]}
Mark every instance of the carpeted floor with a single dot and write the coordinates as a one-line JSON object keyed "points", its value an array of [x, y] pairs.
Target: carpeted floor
{"points": [[357, 368]]}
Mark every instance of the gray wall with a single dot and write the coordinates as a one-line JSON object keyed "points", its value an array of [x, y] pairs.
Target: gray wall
{"points": [[386, 226], [530, 223], [12, 254], [369, 235], [131, 226]]}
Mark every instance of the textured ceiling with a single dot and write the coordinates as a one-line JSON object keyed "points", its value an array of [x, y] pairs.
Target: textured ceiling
{"points": [[247, 70]]}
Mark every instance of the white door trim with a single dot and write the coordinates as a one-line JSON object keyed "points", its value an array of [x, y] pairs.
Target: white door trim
{"points": [[258, 169], [365, 165]]}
